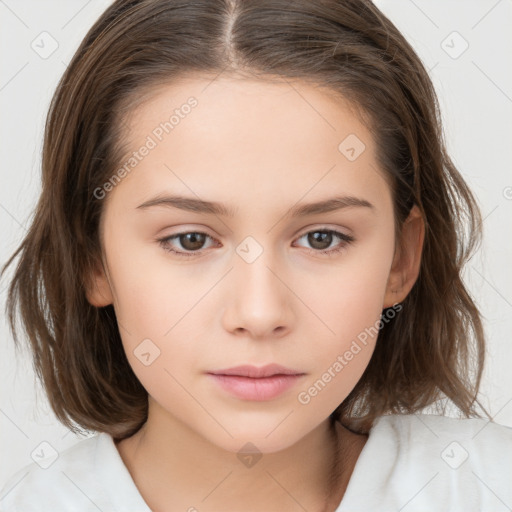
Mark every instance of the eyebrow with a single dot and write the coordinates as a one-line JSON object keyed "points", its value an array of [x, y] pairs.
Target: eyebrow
{"points": [[213, 208]]}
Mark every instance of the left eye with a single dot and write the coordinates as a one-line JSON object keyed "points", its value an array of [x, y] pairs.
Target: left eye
{"points": [[325, 239], [193, 241]]}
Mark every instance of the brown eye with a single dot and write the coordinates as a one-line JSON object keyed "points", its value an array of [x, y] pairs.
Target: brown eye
{"points": [[185, 244], [321, 242], [192, 241]]}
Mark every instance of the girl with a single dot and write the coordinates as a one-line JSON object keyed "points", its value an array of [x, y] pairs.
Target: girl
{"points": [[244, 271]]}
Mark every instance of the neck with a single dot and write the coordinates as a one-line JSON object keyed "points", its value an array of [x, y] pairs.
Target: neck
{"points": [[175, 468]]}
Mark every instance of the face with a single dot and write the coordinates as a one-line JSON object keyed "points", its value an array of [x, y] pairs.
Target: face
{"points": [[258, 277]]}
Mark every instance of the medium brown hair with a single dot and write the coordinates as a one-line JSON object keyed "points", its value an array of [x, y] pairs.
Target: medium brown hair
{"points": [[433, 349]]}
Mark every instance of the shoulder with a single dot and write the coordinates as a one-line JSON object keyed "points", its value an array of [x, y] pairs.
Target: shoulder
{"points": [[474, 432], [55, 480], [476, 443], [428, 462]]}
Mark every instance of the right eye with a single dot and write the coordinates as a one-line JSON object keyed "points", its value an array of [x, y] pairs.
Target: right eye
{"points": [[191, 242]]}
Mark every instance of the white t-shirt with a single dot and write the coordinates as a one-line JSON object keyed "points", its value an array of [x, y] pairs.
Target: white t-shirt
{"points": [[414, 462]]}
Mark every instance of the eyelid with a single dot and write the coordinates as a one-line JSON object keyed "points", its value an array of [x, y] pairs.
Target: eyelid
{"points": [[339, 233], [322, 227], [298, 234]]}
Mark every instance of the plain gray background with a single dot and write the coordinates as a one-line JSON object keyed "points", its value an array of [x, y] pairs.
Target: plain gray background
{"points": [[466, 46]]}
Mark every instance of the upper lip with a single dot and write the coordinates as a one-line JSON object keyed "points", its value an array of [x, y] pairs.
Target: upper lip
{"points": [[257, 372]]}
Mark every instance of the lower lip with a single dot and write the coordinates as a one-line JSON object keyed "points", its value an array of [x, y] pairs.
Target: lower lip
{"points": [[264, 388]]}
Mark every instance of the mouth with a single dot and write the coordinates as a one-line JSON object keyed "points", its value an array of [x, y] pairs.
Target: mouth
{"points": [[256, 383]]}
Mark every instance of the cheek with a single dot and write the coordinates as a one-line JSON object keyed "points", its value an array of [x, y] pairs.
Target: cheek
{"points": [[157, 305], [350, 305], [352, 294], [152, 293], [160, 309]]}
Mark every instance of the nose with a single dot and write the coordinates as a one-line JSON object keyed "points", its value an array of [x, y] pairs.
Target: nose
{"points": [[259, 301]]}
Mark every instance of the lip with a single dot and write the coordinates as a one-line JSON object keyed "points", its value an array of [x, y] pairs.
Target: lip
{"points": [[256, 372], [256, 383]]}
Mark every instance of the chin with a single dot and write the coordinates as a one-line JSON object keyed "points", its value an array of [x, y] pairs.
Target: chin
{"points": [[267, 435], [256, 441]]}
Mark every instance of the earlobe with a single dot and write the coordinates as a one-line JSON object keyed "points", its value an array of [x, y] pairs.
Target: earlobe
{"points": [[99, 292], [406, 264]]}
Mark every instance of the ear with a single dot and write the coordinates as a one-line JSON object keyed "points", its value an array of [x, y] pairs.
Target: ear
{"points": [[406, 263], [99, 291]]}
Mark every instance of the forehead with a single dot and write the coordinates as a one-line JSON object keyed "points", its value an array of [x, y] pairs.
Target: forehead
{"points": [[232, 137], [249, 106]]}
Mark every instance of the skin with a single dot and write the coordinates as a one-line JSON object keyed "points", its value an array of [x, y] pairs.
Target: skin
{"points": [[291, 305]]}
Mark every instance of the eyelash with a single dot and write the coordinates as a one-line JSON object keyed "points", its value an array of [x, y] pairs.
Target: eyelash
{"points": [[347, 239]]}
